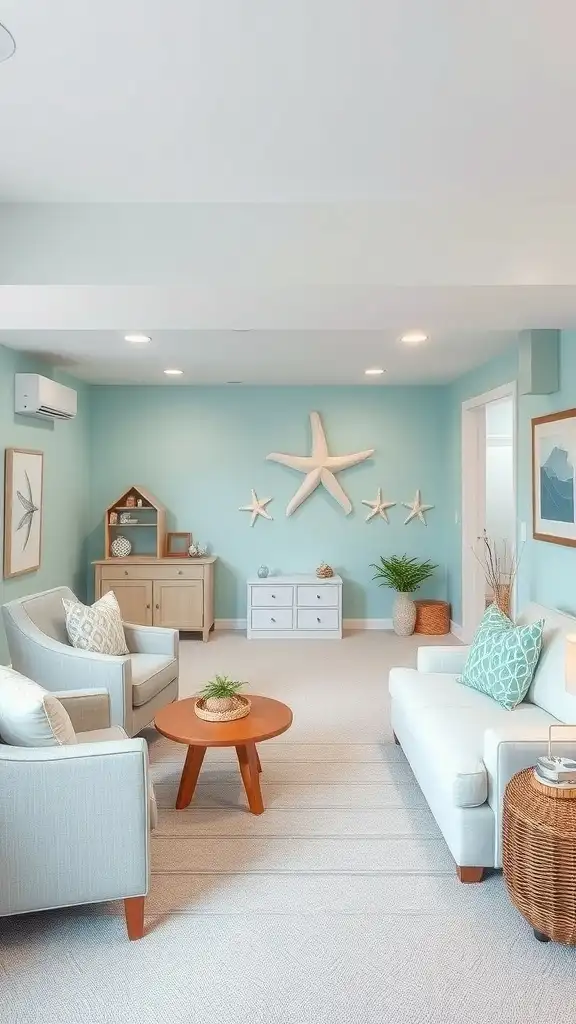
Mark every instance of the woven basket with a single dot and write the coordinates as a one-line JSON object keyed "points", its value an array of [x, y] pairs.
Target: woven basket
{"points": [[241, 708], [432, 617], [539, 857], [324, 571]]}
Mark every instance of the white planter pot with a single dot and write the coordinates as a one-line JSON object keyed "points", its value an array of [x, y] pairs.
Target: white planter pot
{"points": [[403, 615]]}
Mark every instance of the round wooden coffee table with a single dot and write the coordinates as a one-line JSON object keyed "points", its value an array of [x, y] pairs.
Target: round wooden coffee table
{"points": [[179, 721]]}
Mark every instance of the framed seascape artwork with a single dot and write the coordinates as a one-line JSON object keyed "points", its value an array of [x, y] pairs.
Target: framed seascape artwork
{"points": [[22, 511], [553, 477]]}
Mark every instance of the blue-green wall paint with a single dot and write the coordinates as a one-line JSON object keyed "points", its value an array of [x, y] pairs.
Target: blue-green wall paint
{"points": [[547, 571], [65, 447], [201, 450]]}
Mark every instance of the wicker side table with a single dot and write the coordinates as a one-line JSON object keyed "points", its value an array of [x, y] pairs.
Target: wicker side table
{"points": [[539, 856]]}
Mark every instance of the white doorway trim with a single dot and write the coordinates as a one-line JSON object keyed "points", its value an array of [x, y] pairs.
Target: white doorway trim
{"points": [[474, 497]]}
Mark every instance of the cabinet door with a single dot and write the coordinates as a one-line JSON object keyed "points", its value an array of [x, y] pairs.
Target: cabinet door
{"points": [[178, 604], [134, 598]]}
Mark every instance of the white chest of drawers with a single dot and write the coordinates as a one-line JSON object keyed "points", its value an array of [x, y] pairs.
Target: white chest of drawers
{"points": [[304, 607]]}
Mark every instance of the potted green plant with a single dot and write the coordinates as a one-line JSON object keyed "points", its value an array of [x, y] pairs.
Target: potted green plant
{"points": [[220, 694], [404, 575]]}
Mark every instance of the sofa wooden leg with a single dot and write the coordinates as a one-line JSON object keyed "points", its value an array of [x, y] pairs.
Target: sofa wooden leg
{"points": [[134, 913], [469, 875], [396, 740]]}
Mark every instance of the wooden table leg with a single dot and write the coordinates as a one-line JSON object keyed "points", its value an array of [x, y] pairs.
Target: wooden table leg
{"points": [[190, 773], [248, 761], [258, 760]]}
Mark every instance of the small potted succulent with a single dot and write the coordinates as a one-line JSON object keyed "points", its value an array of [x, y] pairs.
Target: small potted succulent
{"points": [[220, 701], [404, 575]]}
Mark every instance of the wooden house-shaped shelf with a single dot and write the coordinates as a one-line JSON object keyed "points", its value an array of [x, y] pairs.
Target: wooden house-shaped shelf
{"points": [[144, 523]]}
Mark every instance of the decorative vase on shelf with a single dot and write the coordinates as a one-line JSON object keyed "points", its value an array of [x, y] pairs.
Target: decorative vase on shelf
{"points": [[121, 547], [403, 615], [263, 572]]}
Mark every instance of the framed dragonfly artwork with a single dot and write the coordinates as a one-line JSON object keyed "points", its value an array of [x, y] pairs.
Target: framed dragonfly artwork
{"points": [[22, 511]]}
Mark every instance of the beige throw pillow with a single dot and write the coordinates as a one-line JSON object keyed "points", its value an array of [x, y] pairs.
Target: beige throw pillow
{"points": [[30, 716], [97, 628]]}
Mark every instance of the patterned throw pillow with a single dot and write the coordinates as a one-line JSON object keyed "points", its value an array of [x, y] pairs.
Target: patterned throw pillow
{"points": [[503, 658], [98, 628]]}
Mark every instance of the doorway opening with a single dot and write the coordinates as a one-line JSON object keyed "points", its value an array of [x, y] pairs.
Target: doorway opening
{"points": [[488, 499]]}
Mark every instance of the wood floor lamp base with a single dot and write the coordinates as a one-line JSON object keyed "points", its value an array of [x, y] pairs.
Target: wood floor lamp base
{"points": [[134, 913]]}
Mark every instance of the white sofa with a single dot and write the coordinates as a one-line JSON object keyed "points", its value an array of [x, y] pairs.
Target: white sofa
{"points": [[463, 747]]}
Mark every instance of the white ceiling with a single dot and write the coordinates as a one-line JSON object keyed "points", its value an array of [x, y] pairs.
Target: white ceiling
{"points": [[255, 100], [262, 357]]}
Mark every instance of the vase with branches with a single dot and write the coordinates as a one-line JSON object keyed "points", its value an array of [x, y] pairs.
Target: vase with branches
{"points": [[404, 575], [499, 562]]}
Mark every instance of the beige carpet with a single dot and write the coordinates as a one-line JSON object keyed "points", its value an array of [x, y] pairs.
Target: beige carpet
{"points": [[338, 904]]}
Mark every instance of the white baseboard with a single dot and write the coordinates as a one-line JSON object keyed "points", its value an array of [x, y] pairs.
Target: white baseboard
{"points": [[230, 624], [456, 630], [367, 623]]}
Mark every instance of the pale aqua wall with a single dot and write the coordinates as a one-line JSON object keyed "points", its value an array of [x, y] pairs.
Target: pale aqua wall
{"points": [[200, 450], [548, 571], [65, 447]]}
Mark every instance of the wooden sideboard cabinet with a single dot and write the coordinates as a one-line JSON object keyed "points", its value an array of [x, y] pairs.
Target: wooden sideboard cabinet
{"points": [[173, 592]]}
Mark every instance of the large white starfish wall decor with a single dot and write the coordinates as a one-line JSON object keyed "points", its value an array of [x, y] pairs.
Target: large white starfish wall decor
{"points": [[379, 507], [257, 508], [417, 509], [319, 468]]}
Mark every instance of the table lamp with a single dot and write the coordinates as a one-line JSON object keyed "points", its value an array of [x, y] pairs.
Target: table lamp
{"points": [[561, 771]]}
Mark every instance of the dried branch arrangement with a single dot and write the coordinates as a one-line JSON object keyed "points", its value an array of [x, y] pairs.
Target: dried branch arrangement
{"points": [[499, 564]]}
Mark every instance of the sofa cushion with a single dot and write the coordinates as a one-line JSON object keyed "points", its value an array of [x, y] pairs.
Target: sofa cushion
{"points": [[150, 674], [97, 628], [548, 689], [503, 657], [448, 722], [30, 716]]}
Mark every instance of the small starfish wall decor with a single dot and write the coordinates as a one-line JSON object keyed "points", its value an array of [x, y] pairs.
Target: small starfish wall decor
{"points": [[30, 510], [417, 509], [319, 467], [257, 508], [379, 507]]}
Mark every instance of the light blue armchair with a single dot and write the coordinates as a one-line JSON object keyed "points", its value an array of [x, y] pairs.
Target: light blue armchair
{"points": [[75, 819], [139, 683]]}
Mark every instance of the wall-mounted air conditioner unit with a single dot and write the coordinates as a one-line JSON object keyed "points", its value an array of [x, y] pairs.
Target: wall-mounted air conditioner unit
{"points": [[35, 395]]}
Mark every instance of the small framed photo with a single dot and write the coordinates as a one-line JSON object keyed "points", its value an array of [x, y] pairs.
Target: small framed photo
{"points": [[177, 545], [554, 477], [22, 511]]}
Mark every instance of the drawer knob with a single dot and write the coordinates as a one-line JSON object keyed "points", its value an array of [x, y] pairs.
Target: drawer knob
{"points": [[148, 607], [125, 572], [318, 596], [273, 595], [179, 572], [272, 620], [157, 607], [317, 618]]}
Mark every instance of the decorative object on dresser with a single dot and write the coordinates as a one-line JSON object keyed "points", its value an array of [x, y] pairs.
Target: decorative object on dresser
{"points": [[404, 575], [120, 547], [197, 550], [263, 572], [257, 508], [417, 509], [147, 532], [553, 467], [319, 467], [220, 701], [283, 607], [379, 507], [22, 511], [432, 617], [175, 593], [324, 571], [180, 722], [539, 855], [177, 544]]}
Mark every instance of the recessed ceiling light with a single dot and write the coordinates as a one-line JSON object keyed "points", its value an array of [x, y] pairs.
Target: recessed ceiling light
{"points": [[374, 371], [138, 339], [173, 373], [414, 337], [7, 43]]}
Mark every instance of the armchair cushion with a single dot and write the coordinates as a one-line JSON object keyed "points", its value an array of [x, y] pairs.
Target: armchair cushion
{"points": [[150, 674], [30, 716], [97, 628]]}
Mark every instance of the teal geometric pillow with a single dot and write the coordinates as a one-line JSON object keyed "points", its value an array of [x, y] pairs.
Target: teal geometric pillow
{"points": [[503, 658]]}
